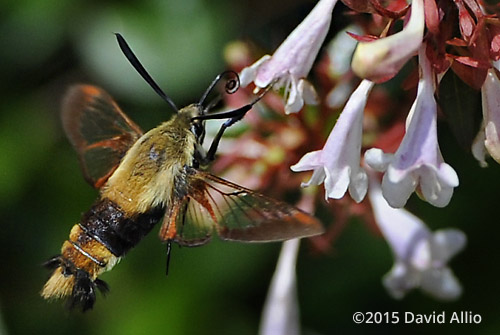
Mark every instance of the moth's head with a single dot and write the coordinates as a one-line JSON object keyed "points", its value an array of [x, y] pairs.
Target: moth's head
{"points": [[189, 115], [201, 111]]}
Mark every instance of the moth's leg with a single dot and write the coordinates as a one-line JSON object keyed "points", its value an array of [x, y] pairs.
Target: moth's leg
{"points": [[233, 117], [215, 143], [169, 252]]}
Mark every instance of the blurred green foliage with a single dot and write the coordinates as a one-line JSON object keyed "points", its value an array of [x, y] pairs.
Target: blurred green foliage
{"points": [[219, 288]]}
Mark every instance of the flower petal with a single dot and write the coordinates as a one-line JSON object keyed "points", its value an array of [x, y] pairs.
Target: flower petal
{"points": [[297, 53], [309, 161], [400, 280], [447, 243], [249, 73], [478, 149], [401, 229], [437, 187], [293, 59], [420, 256], [492, 142], [418, 160], [294, 102], [397, 189], [341, 49], [318, 176], [441, 284], [338, 96], [308, 92], [490, 93], [382, 59], [358, 185], [339, 160], [377, 159], [336, 182], [281, 310]]}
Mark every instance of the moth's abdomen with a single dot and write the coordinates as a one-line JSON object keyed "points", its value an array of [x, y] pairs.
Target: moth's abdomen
{"points": [[76, 270], [95, 245], [107, 223]]}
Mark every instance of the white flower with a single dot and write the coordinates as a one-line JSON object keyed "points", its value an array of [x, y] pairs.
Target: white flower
{"points": [[293, 60], [478, 149], [382, 59], [338, 163], [421, 256], [418, 160], [489, 135], [281, 310], [340, 51], [337, 97]]}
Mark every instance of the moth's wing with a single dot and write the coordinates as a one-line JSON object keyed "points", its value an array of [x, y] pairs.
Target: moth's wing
{"points": [[238, 213], [187, 223], [244, 215], [98, 130]]}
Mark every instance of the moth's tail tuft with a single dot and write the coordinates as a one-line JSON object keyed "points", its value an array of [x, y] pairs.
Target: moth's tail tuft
{"points": [[59, 285], [75, 285]]}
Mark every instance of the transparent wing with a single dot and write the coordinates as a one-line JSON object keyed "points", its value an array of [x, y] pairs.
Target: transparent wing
{"points": [[187, 223], [244, 215], [237, 214], [98, 130]]}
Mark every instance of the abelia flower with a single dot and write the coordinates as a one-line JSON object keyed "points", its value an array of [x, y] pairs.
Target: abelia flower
{"points": [[293, 59], [418, 160], [340, 50], [478, 149], [489, 136], [281, 310], [421, 256], [338, 163], [380, 60]]}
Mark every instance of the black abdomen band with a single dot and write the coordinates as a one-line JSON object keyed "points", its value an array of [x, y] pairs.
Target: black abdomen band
{"points": [[108, 224]]}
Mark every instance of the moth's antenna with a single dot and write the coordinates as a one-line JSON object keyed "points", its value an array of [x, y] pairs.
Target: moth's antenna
{"points": [[232, 84], [236, 114], [142, 71]]}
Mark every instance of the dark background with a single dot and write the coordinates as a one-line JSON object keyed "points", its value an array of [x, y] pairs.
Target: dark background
{"points": [[47, 45]]}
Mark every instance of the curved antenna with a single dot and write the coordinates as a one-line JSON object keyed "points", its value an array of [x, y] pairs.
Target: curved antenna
{"points": [[232, 84], [142, 71], [236, 114]]}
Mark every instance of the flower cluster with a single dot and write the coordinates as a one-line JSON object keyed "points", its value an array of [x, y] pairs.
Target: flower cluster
{"points": [[416, 40]]}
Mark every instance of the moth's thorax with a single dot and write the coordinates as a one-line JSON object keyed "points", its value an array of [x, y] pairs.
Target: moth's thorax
{"points": [[145, 176]]}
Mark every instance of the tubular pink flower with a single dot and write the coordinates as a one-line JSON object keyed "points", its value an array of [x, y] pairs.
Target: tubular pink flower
{"points": [[383, 58], [293, 59], [421, 256], [338, 163], [281, 310], [490, 136], [418, 160]]}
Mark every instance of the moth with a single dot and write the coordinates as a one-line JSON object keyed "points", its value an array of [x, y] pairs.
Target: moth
{"points": [[145, 178]]}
